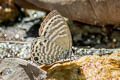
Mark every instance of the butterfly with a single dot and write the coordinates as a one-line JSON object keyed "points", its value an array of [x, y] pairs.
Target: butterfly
{"points": [[55, 41]]}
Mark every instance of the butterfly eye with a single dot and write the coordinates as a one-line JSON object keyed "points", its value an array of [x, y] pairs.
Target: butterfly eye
{"points": [[73, 50]]}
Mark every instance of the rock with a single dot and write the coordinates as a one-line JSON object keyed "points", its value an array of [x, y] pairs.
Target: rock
{"points": [[100, 12], [18, 69], [92, 67], [8, 11]]}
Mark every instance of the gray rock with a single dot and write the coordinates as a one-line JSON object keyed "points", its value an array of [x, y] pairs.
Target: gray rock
{"points": [[18, 69]]}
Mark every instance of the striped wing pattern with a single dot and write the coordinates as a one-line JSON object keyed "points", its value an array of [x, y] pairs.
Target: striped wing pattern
{"points": [[55, 42]]}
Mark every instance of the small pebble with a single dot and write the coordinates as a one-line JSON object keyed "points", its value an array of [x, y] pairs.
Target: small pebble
{"points": [[17, 36], [114, 40]]}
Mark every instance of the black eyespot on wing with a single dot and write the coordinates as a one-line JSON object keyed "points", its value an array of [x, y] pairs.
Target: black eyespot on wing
{"points": [[36, 58]]}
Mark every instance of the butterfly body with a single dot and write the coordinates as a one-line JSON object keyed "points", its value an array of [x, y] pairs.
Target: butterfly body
{"points": [[54, 43]]}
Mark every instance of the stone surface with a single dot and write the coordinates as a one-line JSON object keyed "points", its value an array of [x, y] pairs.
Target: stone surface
{"points": [[18, 69], [92, 67], [8, 11], [100, 12]]}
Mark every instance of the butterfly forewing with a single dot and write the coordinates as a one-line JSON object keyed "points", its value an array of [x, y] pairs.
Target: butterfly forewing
{"points": [[55, 42]]}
